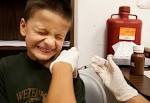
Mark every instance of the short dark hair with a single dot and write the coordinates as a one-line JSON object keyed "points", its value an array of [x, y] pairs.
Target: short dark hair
{"points": [[62, 7]]}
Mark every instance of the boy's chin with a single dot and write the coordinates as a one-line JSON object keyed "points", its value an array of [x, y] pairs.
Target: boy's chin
{"points": [[47, 58], [47, 61]]}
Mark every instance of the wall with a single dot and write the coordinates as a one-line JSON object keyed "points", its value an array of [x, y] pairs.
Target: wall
{"points": [[90, 25]]}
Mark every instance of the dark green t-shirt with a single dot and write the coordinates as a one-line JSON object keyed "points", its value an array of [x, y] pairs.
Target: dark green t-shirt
{"points": [[25, 81]]}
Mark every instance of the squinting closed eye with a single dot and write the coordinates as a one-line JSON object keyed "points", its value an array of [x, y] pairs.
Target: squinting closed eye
{"points": [[59, 37]]}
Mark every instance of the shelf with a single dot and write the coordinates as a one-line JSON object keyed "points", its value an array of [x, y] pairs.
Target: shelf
{"points": [[10, 48]]}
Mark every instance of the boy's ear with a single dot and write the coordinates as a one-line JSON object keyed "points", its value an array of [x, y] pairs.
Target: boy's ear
{"points": [[23, 27]]}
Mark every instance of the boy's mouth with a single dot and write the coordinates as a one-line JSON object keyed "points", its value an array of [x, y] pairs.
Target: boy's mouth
{"points": [[45, 50]]}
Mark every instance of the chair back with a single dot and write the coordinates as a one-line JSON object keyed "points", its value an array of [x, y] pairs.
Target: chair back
{"points": [[94, 88]]}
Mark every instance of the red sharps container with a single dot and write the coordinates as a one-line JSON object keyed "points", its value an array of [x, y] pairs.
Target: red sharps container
{"points": [[123, 27]]}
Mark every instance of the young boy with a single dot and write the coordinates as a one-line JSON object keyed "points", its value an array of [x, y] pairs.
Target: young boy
{"points": [[26, 77]]}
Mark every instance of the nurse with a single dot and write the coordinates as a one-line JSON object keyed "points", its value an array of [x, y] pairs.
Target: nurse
{"points": [[113, 78]]}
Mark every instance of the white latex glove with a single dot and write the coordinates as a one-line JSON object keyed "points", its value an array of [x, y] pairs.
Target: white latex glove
{"points": [[69, 56], [113, 78]]}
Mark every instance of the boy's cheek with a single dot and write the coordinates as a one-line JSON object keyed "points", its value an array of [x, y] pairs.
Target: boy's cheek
{"points": [[60, 45]]}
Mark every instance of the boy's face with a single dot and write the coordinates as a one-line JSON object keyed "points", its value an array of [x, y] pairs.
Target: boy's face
{"points": [[44, 34]]}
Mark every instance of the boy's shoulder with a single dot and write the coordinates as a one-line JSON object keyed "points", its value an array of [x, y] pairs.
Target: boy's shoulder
{"points": [[12, 60], [12, 57]]}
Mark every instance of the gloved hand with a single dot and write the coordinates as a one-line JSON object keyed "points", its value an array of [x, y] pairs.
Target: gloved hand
{"points": [[69, 56], [113, 78]]}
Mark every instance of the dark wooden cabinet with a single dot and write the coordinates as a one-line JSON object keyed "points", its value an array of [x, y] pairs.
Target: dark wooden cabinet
{"points": [[10, 13]]}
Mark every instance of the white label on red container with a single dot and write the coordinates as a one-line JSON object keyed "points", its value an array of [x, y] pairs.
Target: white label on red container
{"points": [[127, 33]]}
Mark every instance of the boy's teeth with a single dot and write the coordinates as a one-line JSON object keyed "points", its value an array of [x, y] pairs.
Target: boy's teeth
{"points": [[44, 49]]}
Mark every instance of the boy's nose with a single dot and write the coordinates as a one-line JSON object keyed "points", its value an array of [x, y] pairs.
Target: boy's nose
{"points": [[50, 41]]}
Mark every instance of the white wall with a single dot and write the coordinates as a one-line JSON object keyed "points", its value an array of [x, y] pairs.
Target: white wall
{"points": [[90, 25]]}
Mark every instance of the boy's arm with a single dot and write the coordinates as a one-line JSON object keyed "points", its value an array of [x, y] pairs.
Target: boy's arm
{"points": [[61, 88]]}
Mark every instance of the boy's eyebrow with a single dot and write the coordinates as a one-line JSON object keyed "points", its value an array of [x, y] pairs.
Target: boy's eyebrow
{"points": [[44, 30], [40, 28]]}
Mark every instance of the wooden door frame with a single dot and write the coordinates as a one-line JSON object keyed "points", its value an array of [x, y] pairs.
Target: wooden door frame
{"points": [[72, 27]]}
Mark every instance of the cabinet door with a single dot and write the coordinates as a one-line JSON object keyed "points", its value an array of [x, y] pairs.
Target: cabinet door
{"points": [[10, 13]]}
